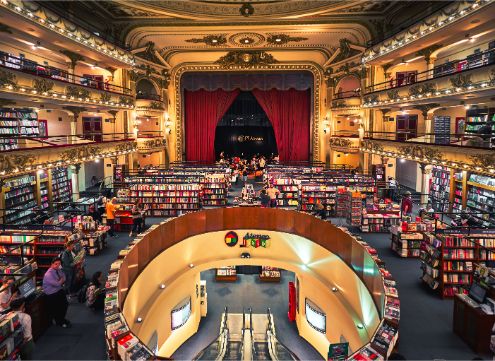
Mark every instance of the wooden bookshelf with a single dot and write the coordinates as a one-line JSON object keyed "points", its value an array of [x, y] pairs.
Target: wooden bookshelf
{"points": [[439, 194], [311, 194], [17, 122]]}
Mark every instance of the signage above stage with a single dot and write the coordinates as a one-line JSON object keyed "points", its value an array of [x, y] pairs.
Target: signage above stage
{"points": [[249, 138], [249, 240]]}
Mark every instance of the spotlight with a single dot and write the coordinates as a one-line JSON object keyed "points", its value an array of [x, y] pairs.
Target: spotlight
{"points": [[139, 320], [162, 286]]}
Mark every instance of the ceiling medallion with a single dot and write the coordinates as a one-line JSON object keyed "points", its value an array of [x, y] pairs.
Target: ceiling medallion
{"points": [[246, 39], [212, 40], [245, 59], [246, 10], [281, 39]]}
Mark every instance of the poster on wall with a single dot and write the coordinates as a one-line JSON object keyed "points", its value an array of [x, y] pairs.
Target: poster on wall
{"points": [[316, 317], [181, 313]]}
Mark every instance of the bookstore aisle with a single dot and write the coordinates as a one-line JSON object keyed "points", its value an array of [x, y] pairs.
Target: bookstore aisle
{"points": [[86, 339], [426, 319]]}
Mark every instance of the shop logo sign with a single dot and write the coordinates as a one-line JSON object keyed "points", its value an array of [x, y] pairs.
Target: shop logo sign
{"points": [[249, 240], [231, 239]]}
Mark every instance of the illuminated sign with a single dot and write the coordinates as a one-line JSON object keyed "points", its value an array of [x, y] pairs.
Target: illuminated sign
{"points": [[249, 138]]}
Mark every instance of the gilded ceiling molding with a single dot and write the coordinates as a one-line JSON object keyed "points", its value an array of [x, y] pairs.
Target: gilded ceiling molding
{"points": [[246, 10], [211, 40], [245, 59], [246, 39], [315, 69], [282, 39]]}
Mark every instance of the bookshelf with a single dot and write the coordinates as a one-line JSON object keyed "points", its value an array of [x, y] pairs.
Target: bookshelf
{"points": [[270, 274], [441, 126], [480, 119], [43, 196], [313, 193], [343, 203], [61, 186], [457, 204], [356, 209], [289, 192], [439, 194], [20, 197], [481, 198], [17, 248], [166, 200], [380, 218], [215, 190], [448, 259], [15, 123], [226, 274], [406, 244]]}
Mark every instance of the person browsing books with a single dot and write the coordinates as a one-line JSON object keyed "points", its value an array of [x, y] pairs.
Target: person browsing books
{"points": [[53, 287], [27, 346], [110, 209], [273, 193], [7, 292]]}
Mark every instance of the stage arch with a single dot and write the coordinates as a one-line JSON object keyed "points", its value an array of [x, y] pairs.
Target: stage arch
{"points": [[316, 83]]}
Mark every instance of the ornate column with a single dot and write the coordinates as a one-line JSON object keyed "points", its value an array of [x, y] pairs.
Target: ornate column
{"points": [[425, 182], [430, 60], [75, 181], [76, 111]]}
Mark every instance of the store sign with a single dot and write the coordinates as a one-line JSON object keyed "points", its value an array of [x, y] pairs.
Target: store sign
{"points": [[249, 138], [249, 240], [231, 239]]}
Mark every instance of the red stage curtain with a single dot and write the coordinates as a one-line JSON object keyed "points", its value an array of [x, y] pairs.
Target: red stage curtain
{"points": [[203, 110], [289, 112]]}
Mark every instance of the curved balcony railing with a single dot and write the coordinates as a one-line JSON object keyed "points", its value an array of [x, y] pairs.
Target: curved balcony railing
{"points": [[148, 96], [347, 94], [31, 67], [482, 140], [470, 62], [53, 141]]}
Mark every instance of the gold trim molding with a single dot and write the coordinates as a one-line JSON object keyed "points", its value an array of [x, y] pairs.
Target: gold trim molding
{"points": [[315, 69]]}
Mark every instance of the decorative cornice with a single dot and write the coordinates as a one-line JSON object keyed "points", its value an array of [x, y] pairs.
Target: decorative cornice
{"points": [[281, 39], [73, 57], [211, 40], [245, 59]]}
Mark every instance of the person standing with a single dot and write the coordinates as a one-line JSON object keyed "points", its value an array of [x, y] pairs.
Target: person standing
{"points": [[137, 218], [244, 175], [392, 186], [111, 208], [7, 292], [68, 267], [27, 346], [264, 199], [273, 193], [262, 163], [406, 205], [53, 282]]}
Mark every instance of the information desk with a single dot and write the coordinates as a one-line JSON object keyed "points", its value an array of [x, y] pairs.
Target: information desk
{"points": [[473, 325]]}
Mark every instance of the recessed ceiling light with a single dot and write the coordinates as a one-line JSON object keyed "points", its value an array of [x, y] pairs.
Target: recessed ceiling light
{"points": [[278, 40], [214, 41]]}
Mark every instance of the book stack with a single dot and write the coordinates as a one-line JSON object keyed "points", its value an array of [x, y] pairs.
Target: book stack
{"points": [[312, 194]]}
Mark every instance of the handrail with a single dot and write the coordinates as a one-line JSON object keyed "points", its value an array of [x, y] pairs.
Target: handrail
{"points": [[487, 58], [32, 67], [347, 94], [478, 141]]}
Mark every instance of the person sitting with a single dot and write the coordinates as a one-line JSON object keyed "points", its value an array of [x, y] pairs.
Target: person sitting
{"points": [[18, 307], [95, 293]]}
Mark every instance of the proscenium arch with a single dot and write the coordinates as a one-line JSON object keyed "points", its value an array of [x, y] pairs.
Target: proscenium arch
{"points": [[173, 232], [315, 69]]}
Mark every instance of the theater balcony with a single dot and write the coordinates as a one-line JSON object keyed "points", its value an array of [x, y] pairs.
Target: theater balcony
{"points": [[458, 151], [345, 100], [470, 77], [150, 142], [35, 19], [32, 153], [25, 79], [447, 25]]}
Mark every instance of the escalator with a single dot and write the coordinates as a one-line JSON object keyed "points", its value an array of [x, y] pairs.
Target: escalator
{"points": [[246, 337]]}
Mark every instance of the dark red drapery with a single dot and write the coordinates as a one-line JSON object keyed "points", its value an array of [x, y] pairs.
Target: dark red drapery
{"points": [[203, 110], [289, 113]]}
